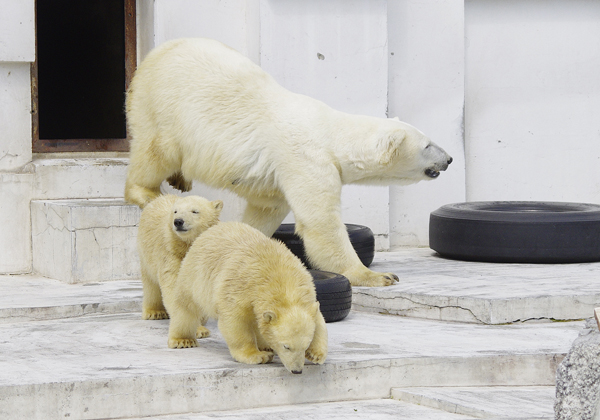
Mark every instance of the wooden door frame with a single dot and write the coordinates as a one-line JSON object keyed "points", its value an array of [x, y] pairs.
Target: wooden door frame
{"points": [[86, 145]]}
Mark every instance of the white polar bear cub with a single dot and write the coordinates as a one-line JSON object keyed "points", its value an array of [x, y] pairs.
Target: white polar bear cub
{"points": [[168, 226], [262, 295], [199, 110]]}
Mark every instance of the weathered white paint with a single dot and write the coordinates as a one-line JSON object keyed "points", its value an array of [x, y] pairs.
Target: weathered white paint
{"points": [[15, 115], [426, 89], [533, 100], [17, 30]]}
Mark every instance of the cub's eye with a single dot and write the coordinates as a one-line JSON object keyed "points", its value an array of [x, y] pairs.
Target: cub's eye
{"points": [[285, 346], [175, 212], [195, 211]]}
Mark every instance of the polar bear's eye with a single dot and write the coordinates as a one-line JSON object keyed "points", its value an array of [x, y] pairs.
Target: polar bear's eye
{"points": [[285, 346], [175, 212], [195, 211]]}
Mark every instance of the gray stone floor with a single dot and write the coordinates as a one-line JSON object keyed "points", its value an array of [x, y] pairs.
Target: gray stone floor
{"points": [[83, 351]]}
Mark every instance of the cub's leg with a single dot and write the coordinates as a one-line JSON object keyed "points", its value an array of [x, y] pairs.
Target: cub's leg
{"points": [[317, 351], [238, 334], [183, 327], [152, 304]]}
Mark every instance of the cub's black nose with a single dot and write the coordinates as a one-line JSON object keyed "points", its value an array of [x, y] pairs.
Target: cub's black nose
{"points": [[178, 223], [449, 161], [296, 372]]}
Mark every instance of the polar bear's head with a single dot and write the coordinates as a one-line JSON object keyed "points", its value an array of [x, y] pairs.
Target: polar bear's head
{"points": [[289, 332], [192, 215], [398, 153]]}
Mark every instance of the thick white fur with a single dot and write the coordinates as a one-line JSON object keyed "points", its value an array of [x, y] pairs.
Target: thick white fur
{"points": [[198, 110], [162, 246], [262, 295]]}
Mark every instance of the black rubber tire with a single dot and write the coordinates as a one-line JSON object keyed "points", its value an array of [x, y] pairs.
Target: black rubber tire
{"points": [[517, 231], [334, 294], [361, 238]]}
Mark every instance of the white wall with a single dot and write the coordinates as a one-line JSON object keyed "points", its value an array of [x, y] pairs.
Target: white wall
{"points": [[17, 50], [334, 51], [426, 89], [533, 100]]}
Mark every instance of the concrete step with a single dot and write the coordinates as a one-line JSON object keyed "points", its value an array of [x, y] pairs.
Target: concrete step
{"points": [[484, 402], [115, 366], [437, 288], [515, 403], [85, 240]]}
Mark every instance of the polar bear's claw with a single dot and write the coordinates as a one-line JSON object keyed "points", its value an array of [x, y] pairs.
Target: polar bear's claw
{"points": [[155, 314], [182, 343], [317, 357], [256, 358], [202, 332]]}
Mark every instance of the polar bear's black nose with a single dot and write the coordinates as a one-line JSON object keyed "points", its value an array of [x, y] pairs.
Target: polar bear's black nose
{"points": [[296, 372], [178, 223], [449, 160]]}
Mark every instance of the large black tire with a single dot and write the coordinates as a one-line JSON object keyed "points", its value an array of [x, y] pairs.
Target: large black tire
{"points": [[517, 231], [361, 238], [334, 294]]}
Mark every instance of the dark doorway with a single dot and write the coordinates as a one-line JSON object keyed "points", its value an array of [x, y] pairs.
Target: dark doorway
{"points": [[85, 57]]}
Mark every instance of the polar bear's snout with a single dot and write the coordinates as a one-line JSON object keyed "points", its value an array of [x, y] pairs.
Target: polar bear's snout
{"points": [[179, 225], [440, 159]]}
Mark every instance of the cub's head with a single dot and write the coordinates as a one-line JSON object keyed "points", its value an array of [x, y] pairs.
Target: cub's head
{"points": [[289, 332], [192, 215], [403, 155]]}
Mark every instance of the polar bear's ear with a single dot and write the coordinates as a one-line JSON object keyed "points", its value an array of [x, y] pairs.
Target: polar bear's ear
{"points": [[396, 118], [388, 146], [269, 316], [217, 204]]}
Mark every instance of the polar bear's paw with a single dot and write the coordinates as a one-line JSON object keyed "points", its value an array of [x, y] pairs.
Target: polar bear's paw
{"points": [[254, 358], [316, 355], [182, 343], [154, 314], [202, 332], [366, 277], [177, 181]]}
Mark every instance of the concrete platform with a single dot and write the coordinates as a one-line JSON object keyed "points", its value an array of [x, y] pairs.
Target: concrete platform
{"points": [[113, 366], [81, 351], [433, 287]]}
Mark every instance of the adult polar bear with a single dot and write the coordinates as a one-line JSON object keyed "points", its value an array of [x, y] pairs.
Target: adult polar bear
{"points": [[197, 109]]}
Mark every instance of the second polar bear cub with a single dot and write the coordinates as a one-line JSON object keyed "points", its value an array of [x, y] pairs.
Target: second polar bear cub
{"points": [[261, 294], [168, 226]]}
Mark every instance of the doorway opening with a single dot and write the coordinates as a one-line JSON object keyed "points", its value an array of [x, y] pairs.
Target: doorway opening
{"points": [[85, 58]]}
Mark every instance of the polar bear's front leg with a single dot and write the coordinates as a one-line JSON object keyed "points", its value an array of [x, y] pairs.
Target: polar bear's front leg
{"points": [[266, 218], [317, 351], [239, 336], [316, 207]]}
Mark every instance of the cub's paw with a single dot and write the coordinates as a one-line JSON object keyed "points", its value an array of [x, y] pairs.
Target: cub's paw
{"points": [[255, 358], [202, 332], [316, 356], [182, 343], [154, 314]]}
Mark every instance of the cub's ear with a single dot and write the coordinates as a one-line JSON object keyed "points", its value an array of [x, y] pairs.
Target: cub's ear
{"points": [[396, 118], [217, 204], [387, 147], [269, 316]]}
